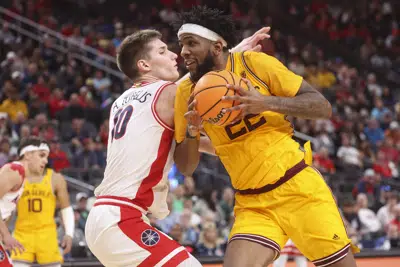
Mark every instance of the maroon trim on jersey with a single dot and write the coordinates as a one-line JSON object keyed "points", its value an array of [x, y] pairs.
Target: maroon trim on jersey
{"points": [[331, 259], [144, 195], [153, 108], [139, 232]]}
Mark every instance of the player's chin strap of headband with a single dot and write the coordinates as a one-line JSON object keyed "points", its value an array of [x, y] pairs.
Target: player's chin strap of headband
{"points": [[31, 148], [67, 215], [202, 32]]}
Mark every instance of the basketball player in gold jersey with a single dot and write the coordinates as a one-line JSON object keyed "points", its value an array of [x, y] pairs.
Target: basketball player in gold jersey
{"points": [[278, 194], [35, 226]]}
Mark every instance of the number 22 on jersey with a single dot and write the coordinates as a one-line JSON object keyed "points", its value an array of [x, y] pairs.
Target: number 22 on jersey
{"points": [[121, 120]]}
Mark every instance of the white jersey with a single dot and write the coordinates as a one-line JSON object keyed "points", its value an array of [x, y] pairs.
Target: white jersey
{"points": [[140, 151], [8, 202]]}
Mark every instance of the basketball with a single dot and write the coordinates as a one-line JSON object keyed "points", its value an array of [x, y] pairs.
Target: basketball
{"points": [[208, 93]]}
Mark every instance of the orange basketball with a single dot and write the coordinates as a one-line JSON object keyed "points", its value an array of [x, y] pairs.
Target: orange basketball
{"points": [[209, 91]]}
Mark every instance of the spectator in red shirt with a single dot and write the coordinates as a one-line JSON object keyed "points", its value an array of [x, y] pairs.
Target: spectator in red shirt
{"points": [[57, 102], [103, 133], [388, 149], [369, 184], [322, 161], [57, 157], [384, 167], [41, 89]]}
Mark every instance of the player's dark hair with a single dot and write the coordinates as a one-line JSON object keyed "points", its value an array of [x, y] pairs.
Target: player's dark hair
{"points": [[133, 48], [212, 19], [34, 141]]}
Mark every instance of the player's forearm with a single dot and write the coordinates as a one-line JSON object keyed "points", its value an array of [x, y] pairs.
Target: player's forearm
{"points": [[3, 228], [307, 106], [187, 156]]}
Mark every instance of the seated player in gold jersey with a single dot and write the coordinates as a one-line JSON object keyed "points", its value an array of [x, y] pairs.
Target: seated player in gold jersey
{"points": [[278, 194], [35, 226]]}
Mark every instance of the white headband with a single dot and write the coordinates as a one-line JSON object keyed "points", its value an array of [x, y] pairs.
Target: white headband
{"points": [[202, 32], [30, 148]]}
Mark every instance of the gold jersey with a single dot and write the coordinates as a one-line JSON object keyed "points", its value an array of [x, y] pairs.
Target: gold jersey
{"points": [[258, 149], [36, 207]]}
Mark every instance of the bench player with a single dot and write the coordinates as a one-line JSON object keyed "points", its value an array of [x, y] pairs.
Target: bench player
{"points": [[33, 158], [279, 196], [139, 157]]}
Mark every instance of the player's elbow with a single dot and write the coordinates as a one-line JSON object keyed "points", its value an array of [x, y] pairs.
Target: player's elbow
{"points": [[184, 170], [184, 166], [320, 107]]}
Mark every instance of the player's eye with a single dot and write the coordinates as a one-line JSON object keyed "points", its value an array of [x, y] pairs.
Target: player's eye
{"points": [[191, 43]]}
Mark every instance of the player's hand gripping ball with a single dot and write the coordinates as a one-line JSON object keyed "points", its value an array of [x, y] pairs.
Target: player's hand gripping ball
{"points": [[208, 94]]}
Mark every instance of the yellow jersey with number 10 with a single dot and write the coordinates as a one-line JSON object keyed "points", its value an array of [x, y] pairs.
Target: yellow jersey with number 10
{"points": [[36, 207], [258, 149]]}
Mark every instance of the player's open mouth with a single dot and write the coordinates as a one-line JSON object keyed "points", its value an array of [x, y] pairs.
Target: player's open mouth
{"points": [[189, 63]]}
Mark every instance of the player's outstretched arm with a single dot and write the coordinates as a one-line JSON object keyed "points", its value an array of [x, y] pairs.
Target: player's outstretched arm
{"points": [[67, 213], [308, 103], [187, 155]]}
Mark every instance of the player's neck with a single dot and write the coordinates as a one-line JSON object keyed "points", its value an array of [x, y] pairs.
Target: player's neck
{"points": [[220, 63], [144, 79]]}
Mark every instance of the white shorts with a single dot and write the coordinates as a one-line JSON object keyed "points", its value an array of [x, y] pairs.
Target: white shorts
{"points": [[118, 234]]}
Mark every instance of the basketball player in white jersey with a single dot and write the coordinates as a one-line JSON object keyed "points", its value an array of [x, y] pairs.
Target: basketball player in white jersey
{"points": [[139, 157], [33, 158]]}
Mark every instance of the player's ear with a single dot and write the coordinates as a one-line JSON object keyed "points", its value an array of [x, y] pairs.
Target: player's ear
{"points": [[143, 65], [217, 48]]}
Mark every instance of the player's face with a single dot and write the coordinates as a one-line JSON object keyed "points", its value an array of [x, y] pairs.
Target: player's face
{"points": [[196, 51], [162, 62], [37, 161]]}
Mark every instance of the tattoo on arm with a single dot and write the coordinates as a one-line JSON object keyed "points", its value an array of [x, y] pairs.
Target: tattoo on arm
{"points": [[308, 104]]}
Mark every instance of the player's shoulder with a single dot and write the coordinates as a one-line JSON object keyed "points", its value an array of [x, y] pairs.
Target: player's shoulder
{"points": [[14, 166], [185, 87], [252, 55], [57, 175]]}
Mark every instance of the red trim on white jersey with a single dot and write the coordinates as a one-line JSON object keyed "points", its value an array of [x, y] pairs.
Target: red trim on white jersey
{"points": [[17, 166], [164, 251], [153, 107], [4, 259], [144, 195], [119, 201]]}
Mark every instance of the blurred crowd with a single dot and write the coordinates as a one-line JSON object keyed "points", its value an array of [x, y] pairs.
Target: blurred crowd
{"points": [[370, 27], [52, 95]]}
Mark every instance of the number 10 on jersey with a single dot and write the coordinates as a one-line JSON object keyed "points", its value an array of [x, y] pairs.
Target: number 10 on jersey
{"points": [[121, 120]]}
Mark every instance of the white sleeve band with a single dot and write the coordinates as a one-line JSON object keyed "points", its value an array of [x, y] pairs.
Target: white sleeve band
{"points": [[68, 218]]}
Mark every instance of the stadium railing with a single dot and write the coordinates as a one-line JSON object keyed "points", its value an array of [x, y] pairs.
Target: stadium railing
{"points": [[65, 45]]}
